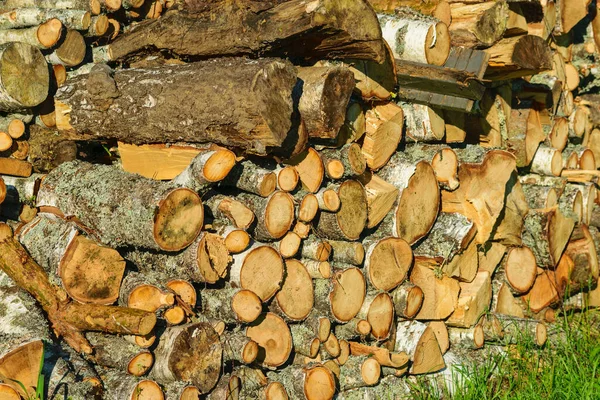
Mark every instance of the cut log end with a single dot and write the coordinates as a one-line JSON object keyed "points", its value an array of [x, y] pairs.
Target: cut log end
{"points": [[140, 364], [49, 32], [437, 44], [25, 76], [370, 371], [414, 301], [147, 390], [8, 393], [319, 383], [16, 128], [6, 141], [331, 200], [279, 214], [237, 241], [218, 165], [174, 315], [273, 335], [287, 179], [246, 305], [178, 220], [520, 268], [262, 262], [388, 263]]}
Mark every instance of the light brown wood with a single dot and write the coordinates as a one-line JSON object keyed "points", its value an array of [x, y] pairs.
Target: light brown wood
{"points": [[273, 336]]}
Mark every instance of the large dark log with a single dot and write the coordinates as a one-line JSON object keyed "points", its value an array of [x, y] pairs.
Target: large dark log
{"points": [[319, 29], [237, 102]]}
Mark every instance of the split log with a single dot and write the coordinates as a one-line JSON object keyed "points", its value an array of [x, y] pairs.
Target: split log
{"points": [[518, 56], [387, 262], [251, 178], [345, 162], [414, 215], [325, 92], [543, 293], [232, 305], [384, 128], [123, 386], [28, 84], [450, 235], [205, 260], [423, 123], [189, 352], [473, 301], [160, 208], [480, 196], [351, 218], [416, 37], [419, 341], [228, 208], [381, 197], [89, 272], [443, 161], [341, 297], [505, 302], [311, 382], [385, 357], [273, 335], [337, 33], [259, 129], [310, 169], [546, 232], [295, 299], [478, 25], [259, 269], [525, 133], [117, 352], [440, 296]]}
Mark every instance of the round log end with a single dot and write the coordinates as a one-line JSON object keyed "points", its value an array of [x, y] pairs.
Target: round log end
{"points": [[49, 32], [381, 316], [246, 305], [95, 7], [273, 335], [275, 391], [437, 44], [348, 294], [190, 393], [308, 208], [218, 165], [324, 329], [370, 371], [72, 50], [445, 166], [296, 296], [6, 141], [335, 169], [185, 290], [140, 364], [147, 323], [556, 164], [174, 315], [388, 263], [363, 327], [16, 128], [478, 337], [147, 390], [288, 179], [24, 74], [331, 200], [279, 214], [262, 272], [8, 393], [289, 245], [145, 341], [237, 241], [319, 384], [414, 300], [352, 215], [86, 20], [356, 160], [101, 25], [178, 220], [250, 352], [587, 160], [520, 269], [315, 344]]}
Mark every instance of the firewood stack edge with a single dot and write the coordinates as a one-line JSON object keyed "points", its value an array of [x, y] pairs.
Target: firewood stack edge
{"points": [[302, 199]]}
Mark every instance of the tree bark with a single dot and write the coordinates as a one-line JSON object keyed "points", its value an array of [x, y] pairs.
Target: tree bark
{"points": [[478, 25], [518, 56]]}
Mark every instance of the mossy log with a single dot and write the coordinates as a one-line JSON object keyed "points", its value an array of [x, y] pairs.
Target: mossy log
{"points": [[328, 30], [123, 209], [260, 92], [232, 305]]}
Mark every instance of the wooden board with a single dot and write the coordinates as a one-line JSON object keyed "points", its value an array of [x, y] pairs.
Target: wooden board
{"points": [[156, 161]]}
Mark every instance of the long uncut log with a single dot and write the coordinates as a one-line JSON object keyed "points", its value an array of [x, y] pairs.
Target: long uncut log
{"points": [[416, 37], [89, 5], [328, 30], [518, 56], [25, 17], [128, 209], [25, 78], [261, 89], [89, 272], [67, 319]]}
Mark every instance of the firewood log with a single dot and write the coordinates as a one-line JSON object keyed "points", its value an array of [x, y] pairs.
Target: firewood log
{"points": [[235, 212], [388, 387], [48, 148], [295, 299], [478, 25], [287, 178], [423, 123], [450, 235], [519, 330], [207, 168], [160, 207], [467, 338], [324, 95], [273, 335], [318, 269], [519, 269], [306, 205], [473, 301], [28, 85], [440, 296], [316, 249], [340, 298], [146, 292], [117, 352], [345, 162], [387, 262], [378, 311], [259, 129], [525, 133], [232, 305], [503, 301], [89, 272], [518, 56], [255, 385], [407, 299], [70, 52], [443, 161], [384, 129], [251, 178], [89, 5], [337, 33], [205, 260], [543, 293], [259, 269], [416, 37], [419, 341], [349, 221], [31, 16], [44, 36], [347, 252], [74, 377], [354, 329], [120, 385], [404, 221]]}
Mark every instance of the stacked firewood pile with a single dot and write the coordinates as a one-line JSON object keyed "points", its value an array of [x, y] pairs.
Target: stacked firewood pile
{"points": [[288, 199]]}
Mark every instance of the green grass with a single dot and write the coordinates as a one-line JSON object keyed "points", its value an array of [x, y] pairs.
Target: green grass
{"points": [[567, 367]]}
